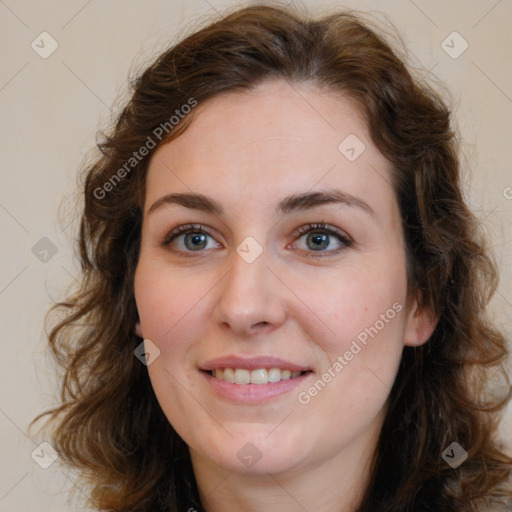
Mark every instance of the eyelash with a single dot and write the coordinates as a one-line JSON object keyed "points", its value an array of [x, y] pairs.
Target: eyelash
{"points": [[199, 228]]}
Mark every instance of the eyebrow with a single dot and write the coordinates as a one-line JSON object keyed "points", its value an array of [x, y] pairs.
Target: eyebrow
{"points": [[292, 203]]}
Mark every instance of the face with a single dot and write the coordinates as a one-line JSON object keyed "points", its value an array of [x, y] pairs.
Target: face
{"points": [[292, 260]]}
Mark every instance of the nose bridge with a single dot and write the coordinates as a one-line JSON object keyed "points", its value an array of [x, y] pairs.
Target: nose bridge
{"points": [[250, 295]]}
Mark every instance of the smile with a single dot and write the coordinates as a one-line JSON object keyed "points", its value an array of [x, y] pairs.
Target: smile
{"points": [[257, 376], [250, 393]]}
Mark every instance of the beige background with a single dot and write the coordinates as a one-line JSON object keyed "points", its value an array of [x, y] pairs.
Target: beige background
{"points": [[51, 109]]}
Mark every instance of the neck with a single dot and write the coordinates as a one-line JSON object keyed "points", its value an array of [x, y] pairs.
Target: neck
{"points": [[336, 484]]}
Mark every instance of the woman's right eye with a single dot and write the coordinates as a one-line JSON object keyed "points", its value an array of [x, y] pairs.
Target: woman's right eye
{"points": [[193, 238], [190, 238]]}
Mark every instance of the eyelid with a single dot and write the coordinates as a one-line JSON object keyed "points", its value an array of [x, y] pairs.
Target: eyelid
{"points": [[344, 238], [322, 226], [183, 228]]}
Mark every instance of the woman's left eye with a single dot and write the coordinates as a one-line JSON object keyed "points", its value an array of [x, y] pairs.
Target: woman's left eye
{"points": [[318, 239]]}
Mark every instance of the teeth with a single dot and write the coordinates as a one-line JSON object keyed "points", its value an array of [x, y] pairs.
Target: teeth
{"points": [[259, 376], [229, 375], [242, 376], [274, 375]]}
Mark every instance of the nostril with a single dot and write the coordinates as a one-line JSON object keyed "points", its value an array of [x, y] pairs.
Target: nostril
{"points": [[260, 325]]}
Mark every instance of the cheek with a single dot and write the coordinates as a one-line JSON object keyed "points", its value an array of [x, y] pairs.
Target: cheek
{"points": [[353, 304], [167, 303], [361, 341]]}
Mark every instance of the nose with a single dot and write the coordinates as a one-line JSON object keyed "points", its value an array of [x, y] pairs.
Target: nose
{"points": [[251, 300]]}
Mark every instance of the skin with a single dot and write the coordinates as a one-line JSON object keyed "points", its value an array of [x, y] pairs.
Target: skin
{"points": [[248, 151]]}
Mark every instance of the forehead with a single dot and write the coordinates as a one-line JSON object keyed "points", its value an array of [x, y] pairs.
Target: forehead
{"points": [[277, 139]]}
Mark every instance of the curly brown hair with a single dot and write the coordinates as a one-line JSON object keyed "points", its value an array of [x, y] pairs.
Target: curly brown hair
{"points": [[110, 426]]}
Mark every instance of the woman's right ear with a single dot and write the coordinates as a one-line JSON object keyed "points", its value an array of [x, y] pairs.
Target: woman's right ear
{"points": [[138, 329]]}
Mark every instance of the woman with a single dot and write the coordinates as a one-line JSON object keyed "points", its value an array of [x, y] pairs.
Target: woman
{"points": [[284, 295]]}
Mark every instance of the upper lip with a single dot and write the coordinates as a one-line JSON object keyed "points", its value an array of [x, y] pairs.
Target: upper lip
{"points": [[252, 363]]}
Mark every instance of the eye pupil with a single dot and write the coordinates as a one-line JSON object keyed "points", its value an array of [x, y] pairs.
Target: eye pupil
{"points": [[317, 239], [320, 241], [198, 241]]}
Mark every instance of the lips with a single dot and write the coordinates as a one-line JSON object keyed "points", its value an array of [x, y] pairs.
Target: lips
{"points": [[252, 363], [242, 376], [264, 369]]}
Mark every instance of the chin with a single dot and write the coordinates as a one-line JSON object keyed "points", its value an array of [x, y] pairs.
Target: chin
{"points": [[256, 452], [251, 461]]}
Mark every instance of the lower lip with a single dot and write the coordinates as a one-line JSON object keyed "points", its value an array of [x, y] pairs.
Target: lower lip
{"points": [[253, 393]]}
